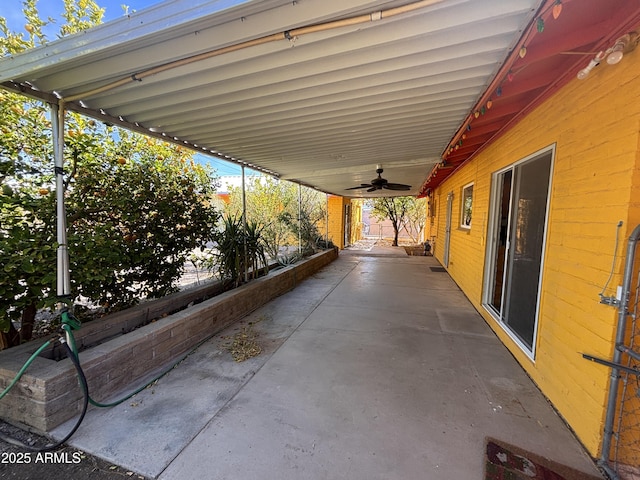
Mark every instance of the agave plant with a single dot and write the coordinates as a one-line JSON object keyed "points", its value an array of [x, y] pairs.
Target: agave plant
{"points": [[289, 259]]}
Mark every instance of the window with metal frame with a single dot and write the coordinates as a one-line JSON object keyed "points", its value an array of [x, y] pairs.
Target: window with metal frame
{"points": [[466, 206]]}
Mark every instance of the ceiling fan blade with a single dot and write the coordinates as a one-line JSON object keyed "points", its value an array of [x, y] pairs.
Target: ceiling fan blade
{"points": [[363, 185], [397, 186], [379, 183]]}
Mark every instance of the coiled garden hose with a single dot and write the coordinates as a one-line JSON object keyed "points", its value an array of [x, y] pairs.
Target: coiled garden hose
{"points": [[70, 323], [85, 401]]}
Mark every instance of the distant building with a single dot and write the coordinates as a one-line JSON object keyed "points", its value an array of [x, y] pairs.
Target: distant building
{"points": [[372, 227]]}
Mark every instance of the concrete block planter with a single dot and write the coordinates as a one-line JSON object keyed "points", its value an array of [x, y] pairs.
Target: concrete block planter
{"points": [[48, 393]]}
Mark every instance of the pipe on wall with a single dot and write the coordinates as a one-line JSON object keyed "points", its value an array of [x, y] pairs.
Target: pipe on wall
{"points": [[623, 313], [286, 35]]}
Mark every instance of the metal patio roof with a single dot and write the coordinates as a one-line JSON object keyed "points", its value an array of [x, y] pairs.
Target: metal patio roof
{"points": [[314, 91]]}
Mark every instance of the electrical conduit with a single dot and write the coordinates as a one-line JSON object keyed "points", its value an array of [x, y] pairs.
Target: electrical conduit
{"points": [[621, 330], [286, 35]]}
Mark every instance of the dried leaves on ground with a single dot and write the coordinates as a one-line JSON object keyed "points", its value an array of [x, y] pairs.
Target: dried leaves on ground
{"points": [[244, 344]]}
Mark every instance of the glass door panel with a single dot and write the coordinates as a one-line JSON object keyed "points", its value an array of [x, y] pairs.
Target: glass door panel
{"points": [[500, 238], [528, 219], [519, 216]]}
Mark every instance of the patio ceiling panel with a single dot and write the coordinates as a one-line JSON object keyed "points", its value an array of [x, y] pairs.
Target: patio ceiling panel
{"points": [[167, 31], [335, 104], [321, 108], [347, 83], [232, 106], [359, 114], [334, 51]]}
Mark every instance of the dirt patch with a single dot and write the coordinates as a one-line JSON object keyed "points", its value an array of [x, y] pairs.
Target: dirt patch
{"points": [[414, 250], [402, 242], [363, 244], [65, 463]]}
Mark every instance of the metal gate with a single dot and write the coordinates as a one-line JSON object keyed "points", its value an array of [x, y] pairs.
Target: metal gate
{"points": [[620, 456]]}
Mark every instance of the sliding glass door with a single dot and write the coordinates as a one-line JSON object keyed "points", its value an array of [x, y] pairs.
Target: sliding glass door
{"points": [[515, 249]]}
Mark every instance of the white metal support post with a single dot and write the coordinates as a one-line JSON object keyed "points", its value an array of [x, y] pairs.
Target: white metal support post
{"points": [[244, 226], [327, 221], [62, 274], [299, 218]]}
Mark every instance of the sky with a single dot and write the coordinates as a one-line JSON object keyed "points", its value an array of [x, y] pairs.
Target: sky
{"points": [[11, 10]]}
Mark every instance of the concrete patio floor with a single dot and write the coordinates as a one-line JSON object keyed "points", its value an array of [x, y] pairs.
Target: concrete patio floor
{"points": [[376, 367]]}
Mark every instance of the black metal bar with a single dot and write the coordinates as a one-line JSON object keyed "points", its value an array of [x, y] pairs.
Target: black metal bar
{"points": [[633, 371], [621, 332]]}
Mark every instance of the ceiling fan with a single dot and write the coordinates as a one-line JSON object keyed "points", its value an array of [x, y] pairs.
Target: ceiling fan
{"points": [[381, 183]]}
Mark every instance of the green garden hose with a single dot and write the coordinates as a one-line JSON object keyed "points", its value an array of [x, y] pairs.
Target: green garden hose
{"points": [[85, 404], [26, 365], [69, 324]]}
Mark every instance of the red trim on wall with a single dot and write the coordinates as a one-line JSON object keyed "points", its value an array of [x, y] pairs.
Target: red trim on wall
{"points": [[553, 58]]}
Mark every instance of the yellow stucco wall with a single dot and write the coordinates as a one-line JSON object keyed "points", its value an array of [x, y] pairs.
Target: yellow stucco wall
{"points": [[336, 209], [356, 221], [594, 125]]}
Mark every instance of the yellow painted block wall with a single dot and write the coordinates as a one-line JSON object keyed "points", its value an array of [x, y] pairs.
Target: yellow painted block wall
{"points": [[595, 126], [464, 260], [356, 221], [336, 209]]}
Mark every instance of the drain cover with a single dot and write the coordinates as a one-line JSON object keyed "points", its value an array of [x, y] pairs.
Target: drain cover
{"points": [[438, 269]]}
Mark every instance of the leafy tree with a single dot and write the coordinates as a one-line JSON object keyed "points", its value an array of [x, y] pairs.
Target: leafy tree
{"points": [[393, 208], [136, 207], [312, 212], [135, 214], [270, 202], [28, 261], [274, 204], [27, 233], [80, 15], [416, 218]]}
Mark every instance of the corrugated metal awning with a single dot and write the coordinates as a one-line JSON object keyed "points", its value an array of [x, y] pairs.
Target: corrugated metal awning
{"points": [[315, 91]]}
